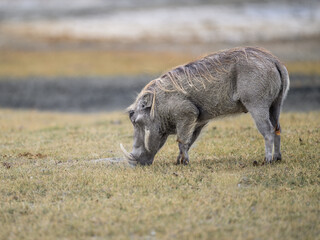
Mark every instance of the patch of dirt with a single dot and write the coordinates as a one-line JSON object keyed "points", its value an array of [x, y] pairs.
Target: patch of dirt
{"points": [[32, 156], [7, 165]]}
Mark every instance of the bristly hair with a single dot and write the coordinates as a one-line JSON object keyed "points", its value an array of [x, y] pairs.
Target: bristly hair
{"points": [[200, 72]]}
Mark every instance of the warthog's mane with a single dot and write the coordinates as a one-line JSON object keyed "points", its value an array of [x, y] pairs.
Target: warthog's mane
{"points": [[196, 74]]}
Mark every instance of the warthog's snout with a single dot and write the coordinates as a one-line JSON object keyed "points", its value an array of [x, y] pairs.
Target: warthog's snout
{"points": [[131, 160], [138, 155]]}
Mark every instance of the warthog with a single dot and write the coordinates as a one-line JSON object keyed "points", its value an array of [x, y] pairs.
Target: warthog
{"points": [[183, 100]]}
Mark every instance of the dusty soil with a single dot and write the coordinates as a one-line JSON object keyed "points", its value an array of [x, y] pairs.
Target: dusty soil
{"points": [[98, 94]]}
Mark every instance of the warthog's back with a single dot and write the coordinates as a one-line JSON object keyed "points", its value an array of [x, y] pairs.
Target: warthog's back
{"points": [[219, 83]]}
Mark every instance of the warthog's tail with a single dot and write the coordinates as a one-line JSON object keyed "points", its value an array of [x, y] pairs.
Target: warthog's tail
{"points": [[284, 79], [285, 83], [276, 106]]}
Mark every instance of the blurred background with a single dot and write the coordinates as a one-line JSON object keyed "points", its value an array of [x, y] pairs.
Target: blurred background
{"points": [[96, 55]]}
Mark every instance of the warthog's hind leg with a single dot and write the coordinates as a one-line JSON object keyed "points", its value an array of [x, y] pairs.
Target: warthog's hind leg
{"points": [[263, 123], [277, 141], [274, 118]]}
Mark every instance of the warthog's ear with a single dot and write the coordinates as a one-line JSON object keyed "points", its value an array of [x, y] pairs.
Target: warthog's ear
{"points": [[130, 108], [147, 100]]}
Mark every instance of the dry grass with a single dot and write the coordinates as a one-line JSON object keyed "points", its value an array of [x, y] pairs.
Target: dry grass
{"points": [[49, 190], [306, 67], [101, 63], [86, 63]]}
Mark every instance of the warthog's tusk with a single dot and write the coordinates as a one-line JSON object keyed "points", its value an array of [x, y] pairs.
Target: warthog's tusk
{"points": [[128, 156], [146, 139]]}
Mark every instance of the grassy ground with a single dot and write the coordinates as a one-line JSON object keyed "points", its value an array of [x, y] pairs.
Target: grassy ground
{"points": [[49, 190], [87, 63]]}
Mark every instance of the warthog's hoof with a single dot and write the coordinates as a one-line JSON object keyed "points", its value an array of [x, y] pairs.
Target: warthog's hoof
{"points": [[277, 157], [267, 161], [185, 162], [181, 160]]}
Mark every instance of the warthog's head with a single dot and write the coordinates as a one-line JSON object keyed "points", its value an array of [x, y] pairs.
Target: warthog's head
{"points": [[148, 134]]}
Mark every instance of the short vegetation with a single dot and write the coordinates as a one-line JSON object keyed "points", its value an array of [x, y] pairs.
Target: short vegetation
{"points": [[50, 188]]}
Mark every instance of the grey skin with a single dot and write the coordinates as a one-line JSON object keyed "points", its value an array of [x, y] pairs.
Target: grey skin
{"points": [[185, 99]]}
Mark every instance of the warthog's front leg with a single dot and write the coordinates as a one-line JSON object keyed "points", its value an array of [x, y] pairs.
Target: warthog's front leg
{"points": [[183, 157], [195, 135], [186, 127], [186, 123]]}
